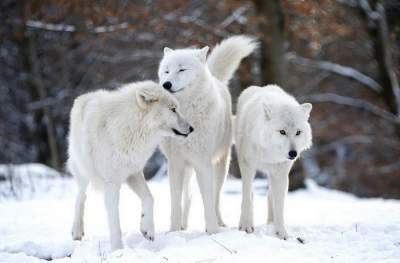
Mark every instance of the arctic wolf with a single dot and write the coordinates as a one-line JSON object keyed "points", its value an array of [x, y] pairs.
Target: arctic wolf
{"points": [[200, 85], [112, 135], [271, 131]]}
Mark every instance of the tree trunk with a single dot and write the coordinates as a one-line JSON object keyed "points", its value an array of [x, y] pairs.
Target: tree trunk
{"points": [[273, 66], [34, 82], [374, 13], [38, 84]]}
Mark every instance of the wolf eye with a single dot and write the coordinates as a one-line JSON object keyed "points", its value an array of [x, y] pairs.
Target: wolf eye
{"points": [[166, 72], [173, 109], [282, 132], [182, 70], [298, 133]]}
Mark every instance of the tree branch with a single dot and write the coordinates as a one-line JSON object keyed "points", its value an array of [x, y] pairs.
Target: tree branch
{"points": [[338, 69], [71, 28], [357, 103]]}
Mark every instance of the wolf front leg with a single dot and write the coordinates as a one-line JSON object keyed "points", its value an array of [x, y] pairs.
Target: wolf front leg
{"points": [[205, 178], [270, 218], [221, 171], [111, 201], [246, 218], [187, 196], [279, 179], [176, 170], [138, 184]]}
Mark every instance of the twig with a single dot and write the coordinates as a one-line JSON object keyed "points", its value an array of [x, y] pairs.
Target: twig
{"points": [[300, 240], [208, 260], [234, 16], [229, 250]]}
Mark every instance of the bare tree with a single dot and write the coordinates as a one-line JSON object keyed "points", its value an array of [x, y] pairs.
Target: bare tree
{"points": [[374, 13], [272, 36]]}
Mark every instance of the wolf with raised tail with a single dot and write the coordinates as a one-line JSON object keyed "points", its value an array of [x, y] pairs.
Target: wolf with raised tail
{"points": [[200, 85], [271, 131]]}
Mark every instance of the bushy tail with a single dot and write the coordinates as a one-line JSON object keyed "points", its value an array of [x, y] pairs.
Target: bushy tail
{"points": [[225, 57]]}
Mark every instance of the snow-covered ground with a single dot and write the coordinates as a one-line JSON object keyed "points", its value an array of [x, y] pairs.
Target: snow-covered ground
{"points": [[335, 226]]}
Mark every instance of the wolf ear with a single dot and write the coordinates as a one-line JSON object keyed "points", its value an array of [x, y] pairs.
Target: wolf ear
{"points": [[167, 50], [306, 107], [145, 98], [203, 54], [267, 112]]}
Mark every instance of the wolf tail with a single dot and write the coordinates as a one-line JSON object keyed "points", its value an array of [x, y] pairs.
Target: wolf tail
{"points": [[225, 57]]}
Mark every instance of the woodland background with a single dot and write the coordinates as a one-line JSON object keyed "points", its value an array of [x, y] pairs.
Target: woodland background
{"points": [[341, 55]]}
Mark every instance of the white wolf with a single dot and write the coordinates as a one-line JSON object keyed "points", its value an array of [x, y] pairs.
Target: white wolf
{"points": [[200, 85], [271, 131], [112, 135]]}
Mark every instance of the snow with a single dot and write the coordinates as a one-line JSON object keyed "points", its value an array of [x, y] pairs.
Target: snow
{"points": [[23, 181], [335, 227]]}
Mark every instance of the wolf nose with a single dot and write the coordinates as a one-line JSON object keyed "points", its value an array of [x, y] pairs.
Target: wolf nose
{"points": [[191, 129], [167, 85], [292, 154]]}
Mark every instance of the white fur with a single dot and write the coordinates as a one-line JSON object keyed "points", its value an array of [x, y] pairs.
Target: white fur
{"points": [[262, 113], [226, 57], [205, 101], [112, 135]]}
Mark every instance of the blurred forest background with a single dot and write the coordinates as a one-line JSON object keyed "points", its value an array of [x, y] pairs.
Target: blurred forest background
{"points": [[341, 55]]}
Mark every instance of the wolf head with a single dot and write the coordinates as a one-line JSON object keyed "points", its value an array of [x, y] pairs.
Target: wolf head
{"points": [[182, 68], [286, 132], [163, 111]]}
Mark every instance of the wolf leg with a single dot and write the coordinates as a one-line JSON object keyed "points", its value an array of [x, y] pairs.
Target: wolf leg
{"points": [[175, 173], [187, 196], [138, 185], [270, 218], [246, 218], [279, 179], [221, 171], [78, 223], [111, 201], [205, 178]]}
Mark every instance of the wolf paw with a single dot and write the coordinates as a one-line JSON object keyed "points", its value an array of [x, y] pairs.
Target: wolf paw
{"points": [[221, 223], [77, 233], [174, 228], [116, 244], [147, 228], [282, 234], [212, 229], [246, 224], [148, 235], [248, 228]]}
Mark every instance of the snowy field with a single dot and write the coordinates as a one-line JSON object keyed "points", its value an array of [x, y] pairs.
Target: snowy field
{"points": [[335, 227]]}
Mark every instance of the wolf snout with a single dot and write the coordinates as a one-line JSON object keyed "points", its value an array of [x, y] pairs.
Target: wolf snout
{"points": [[167, 85], [292, 154], [184, 132]]}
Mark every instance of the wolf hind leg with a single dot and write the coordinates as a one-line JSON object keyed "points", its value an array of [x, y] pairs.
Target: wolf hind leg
{"points": [[78, 222]]}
